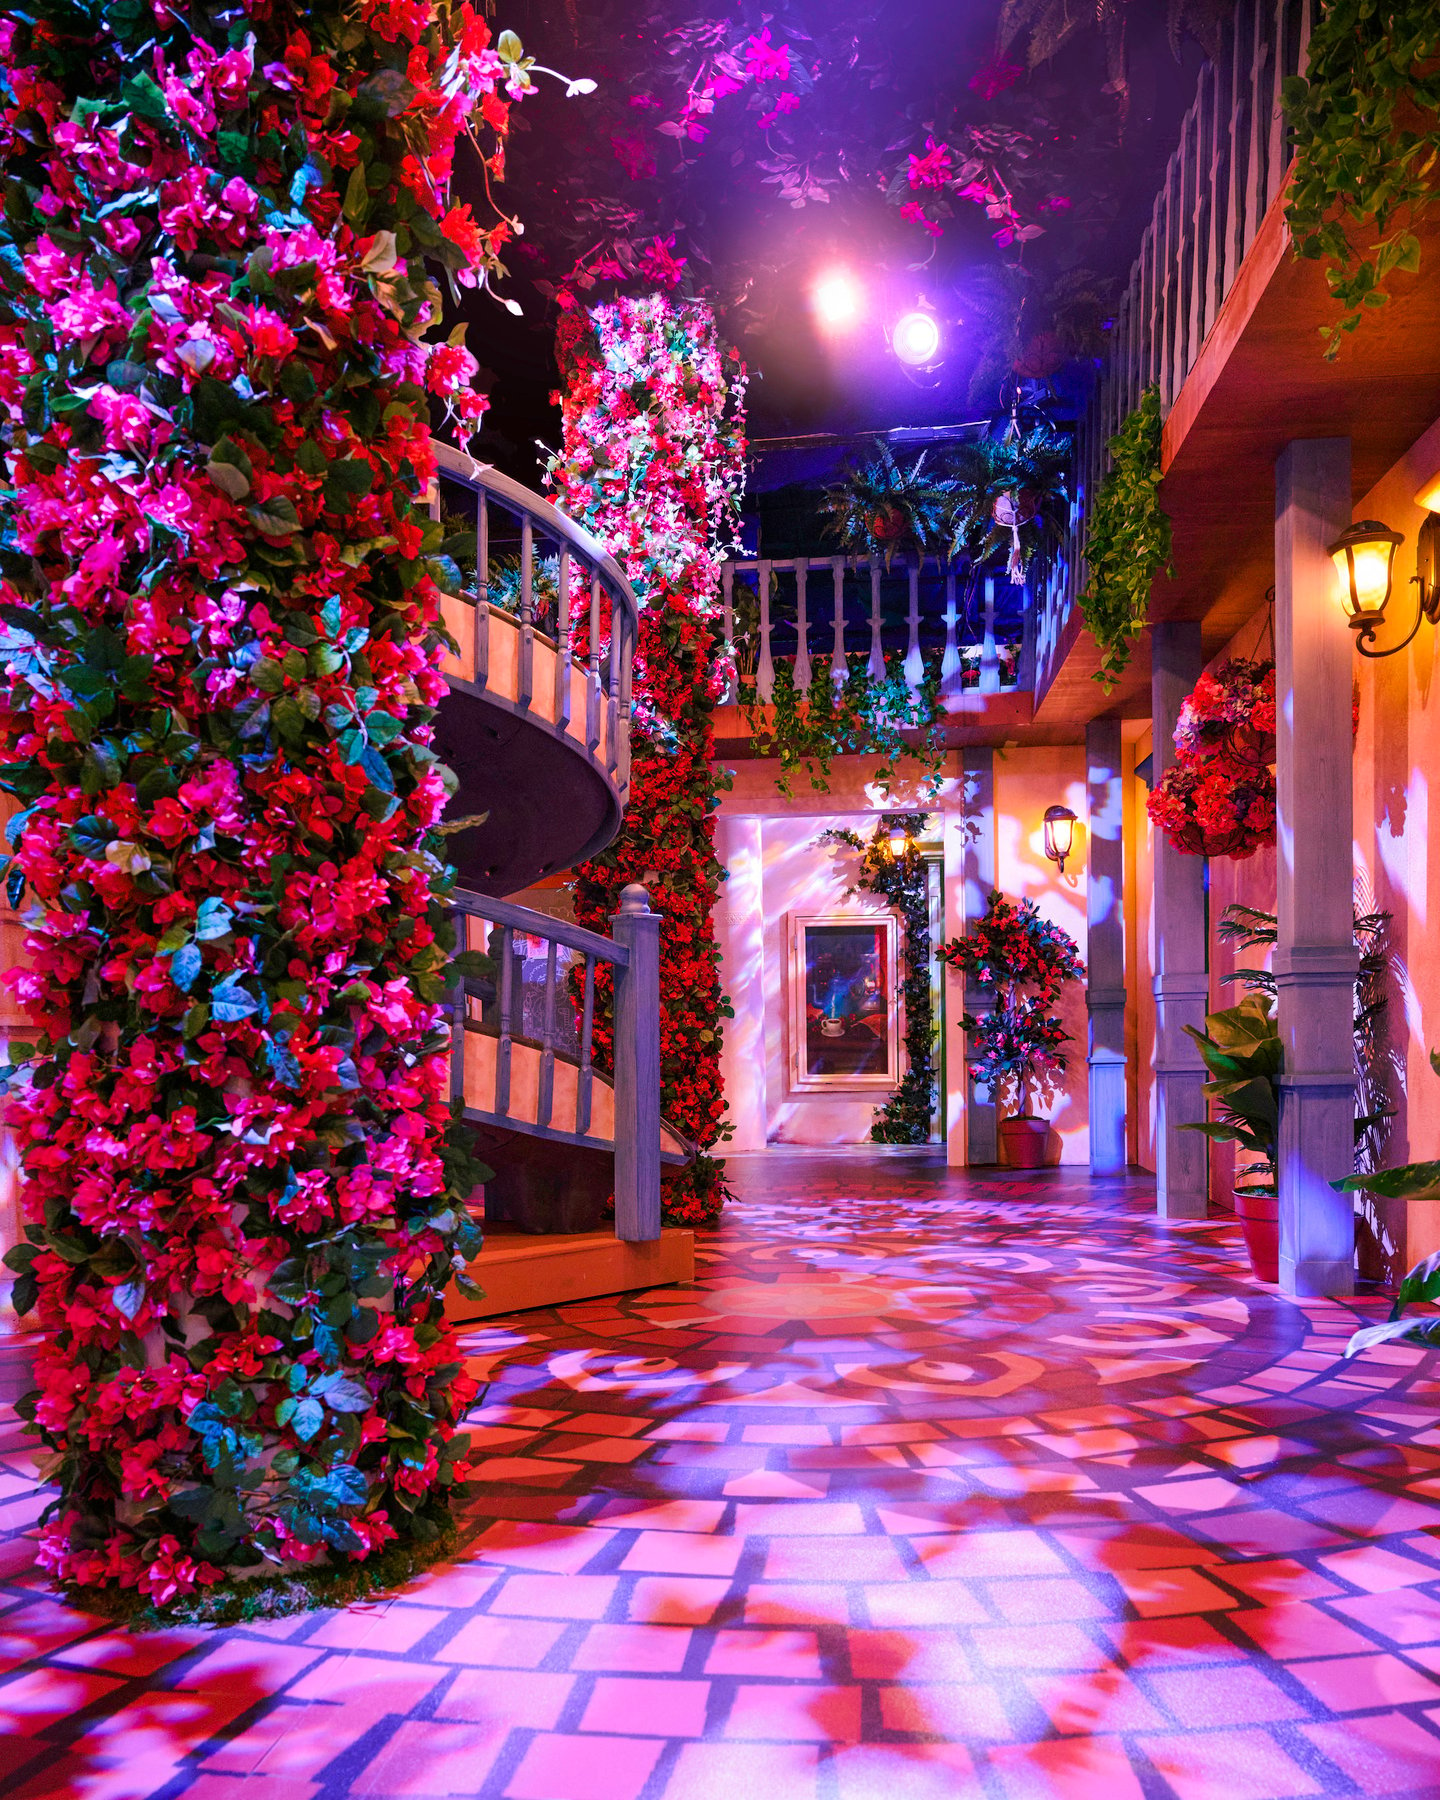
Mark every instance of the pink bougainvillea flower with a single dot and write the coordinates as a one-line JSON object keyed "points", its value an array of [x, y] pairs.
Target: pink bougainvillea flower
{"points": [[634, 156], [914, 211], [659, 264], [994, 78], [934, 169], [765, 61], [784, 103]]}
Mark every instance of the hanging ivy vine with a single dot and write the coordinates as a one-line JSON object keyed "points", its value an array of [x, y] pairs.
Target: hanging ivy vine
{"points": [[1366, 122], [900, 881], [883, 719], [1128, 540]]}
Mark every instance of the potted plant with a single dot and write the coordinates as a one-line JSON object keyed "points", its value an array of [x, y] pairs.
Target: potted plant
{"points": [[886, 505], [1242, 1050], [1218, 797], [1025, 961]]}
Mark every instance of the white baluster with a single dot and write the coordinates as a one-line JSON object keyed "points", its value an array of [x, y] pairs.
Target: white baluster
{"points": [[802, 627], [764, 668], [839, 668], [875, 668], [950, 661], [914, 664], [989, 656]]}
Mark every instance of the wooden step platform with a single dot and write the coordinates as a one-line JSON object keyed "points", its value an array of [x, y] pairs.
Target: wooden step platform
{"points": [[519, 1270]]}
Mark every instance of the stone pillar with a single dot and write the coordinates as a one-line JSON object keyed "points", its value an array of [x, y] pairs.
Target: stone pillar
{"points": [[1181, 981], [1315, 954], [1105, 952], [740, 932], [981, 1119]]}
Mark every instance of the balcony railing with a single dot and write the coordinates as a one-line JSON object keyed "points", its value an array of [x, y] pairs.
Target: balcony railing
{"points": [[1227, 170], [823, 618], [522, 1054], [575, 676]]}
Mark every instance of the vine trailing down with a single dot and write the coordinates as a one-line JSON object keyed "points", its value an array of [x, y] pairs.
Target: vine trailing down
{"points": [[1128, 541], [653, 465], [221, 666], [899, 878]]}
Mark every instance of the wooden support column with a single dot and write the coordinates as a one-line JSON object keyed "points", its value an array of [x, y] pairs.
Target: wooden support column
{"points": [[637, 1068], [1315, 953], [1105, 955], [981, 1118], [1181, 979]]}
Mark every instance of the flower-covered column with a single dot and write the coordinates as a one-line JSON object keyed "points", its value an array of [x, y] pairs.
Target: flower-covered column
{"points": [[653, 464], [221, 668]]}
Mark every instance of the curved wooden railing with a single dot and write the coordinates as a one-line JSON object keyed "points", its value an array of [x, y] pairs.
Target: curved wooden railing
{"points": [[522, 1054], [574, 679]]}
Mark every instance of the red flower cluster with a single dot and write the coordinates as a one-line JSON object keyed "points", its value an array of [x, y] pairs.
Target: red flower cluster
{"points": [[1218, 797], [653, 465], [1009, 950], [219, 674]]}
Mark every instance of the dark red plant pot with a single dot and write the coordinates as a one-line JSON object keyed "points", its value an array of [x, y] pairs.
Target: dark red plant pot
{"points": [[1022, 1142], [1259, 1216]]}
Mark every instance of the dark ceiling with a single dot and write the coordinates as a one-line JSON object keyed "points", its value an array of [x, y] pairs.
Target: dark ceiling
{"points": [[764, 256]]}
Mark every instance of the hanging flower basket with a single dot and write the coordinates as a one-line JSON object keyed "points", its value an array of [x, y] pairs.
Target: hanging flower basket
{"points": [[1218, 798]]}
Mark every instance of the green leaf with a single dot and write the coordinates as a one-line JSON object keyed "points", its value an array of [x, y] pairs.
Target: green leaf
{"points": [[185, 967], [213, 919], [357, 195], [277, 518], [308, 1418], [1403, 1183]]}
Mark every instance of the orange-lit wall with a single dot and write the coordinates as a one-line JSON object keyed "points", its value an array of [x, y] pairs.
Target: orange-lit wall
{"points": [[1026, 782]]}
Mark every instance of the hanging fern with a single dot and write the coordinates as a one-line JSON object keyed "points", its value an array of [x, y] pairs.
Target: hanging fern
{"points": [[1128, 540], [1027, 473], [885, 505]]}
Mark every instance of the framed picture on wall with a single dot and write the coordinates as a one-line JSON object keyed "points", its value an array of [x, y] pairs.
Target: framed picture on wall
{"points": [[844, 1002]]}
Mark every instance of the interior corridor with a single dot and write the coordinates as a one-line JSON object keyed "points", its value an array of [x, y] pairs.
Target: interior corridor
{"points": [[937, 1483]]}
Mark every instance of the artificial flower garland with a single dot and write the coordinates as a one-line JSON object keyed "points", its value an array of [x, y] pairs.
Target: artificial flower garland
{"points": [[1010, 950], [1218, 797], [653, 464], [218, 680]]}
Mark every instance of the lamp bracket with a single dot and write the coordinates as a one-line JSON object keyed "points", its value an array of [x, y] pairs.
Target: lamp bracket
{"points": [[1427, 579]]}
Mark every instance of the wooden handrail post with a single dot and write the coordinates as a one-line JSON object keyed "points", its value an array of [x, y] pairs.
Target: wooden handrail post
{"points": [[637, 1069]]}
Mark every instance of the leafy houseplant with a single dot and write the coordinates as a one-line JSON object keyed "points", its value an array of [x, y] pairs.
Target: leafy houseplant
{"points": [[1128, 540], [1242, 1050], [1422, 1283], [885, 505], [900, 879], [1009, 494], [1025, 962]]}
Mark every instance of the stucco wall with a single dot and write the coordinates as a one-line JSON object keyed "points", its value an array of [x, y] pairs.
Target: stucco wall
{"points": [[769, 845]]}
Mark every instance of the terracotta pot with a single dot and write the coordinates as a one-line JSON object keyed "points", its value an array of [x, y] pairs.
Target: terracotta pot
{"points": [[1259, 1216], [1022, 1141]]}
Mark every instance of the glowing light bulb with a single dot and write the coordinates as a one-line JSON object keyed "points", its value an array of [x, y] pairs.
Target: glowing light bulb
{"points": [[916, 338], [837, 300]]}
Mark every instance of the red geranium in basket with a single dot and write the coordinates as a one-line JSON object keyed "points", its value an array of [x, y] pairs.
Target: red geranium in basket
{"points": [[1218, 798]]}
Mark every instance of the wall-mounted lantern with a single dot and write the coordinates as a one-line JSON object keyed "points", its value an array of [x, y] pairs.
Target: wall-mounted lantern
{"points": [[1364, 559], [899, 841], [1059, 834]]}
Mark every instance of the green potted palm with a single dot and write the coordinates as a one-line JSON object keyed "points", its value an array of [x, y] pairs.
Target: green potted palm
{"points": [[1241, 1048]]}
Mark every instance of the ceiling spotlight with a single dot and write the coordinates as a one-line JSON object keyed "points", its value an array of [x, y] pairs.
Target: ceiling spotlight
{"points": [[916, 338], [837, 300]]}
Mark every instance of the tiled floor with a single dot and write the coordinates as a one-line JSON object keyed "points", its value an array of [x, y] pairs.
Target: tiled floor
{"points": [[935, 1485]]}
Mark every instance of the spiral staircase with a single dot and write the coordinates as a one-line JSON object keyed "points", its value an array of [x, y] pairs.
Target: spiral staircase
{"points": [[536, 726]]}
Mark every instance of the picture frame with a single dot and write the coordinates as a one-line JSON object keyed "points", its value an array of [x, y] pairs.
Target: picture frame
{"points": [[844, 1002]]}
